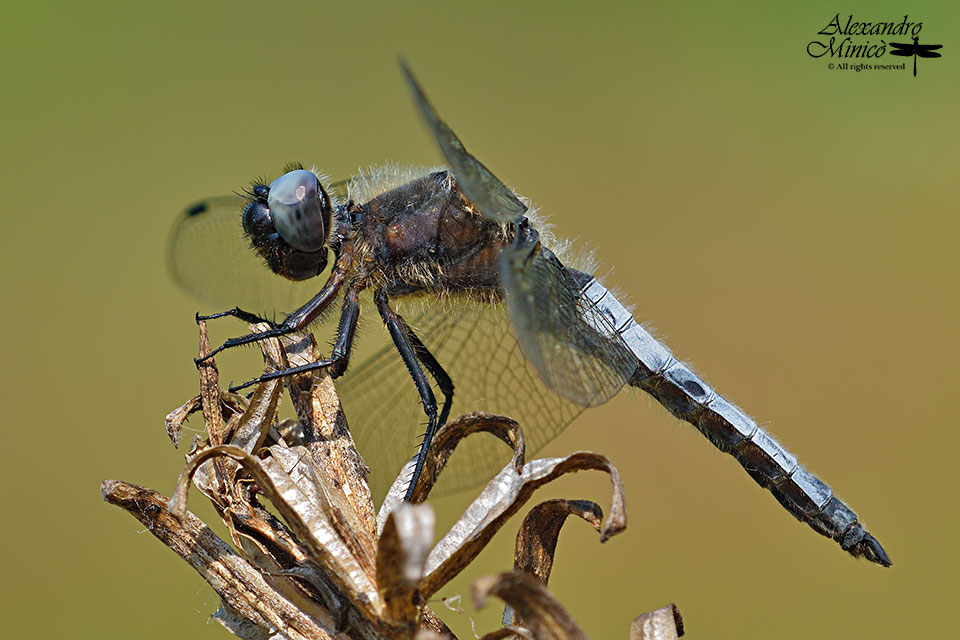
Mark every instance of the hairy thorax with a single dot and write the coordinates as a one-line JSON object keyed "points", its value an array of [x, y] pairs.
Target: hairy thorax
{"points": [[424, 236]]}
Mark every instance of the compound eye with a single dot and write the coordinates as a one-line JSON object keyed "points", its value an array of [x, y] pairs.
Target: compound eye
{"points": [[257, 222], [300, 210]]}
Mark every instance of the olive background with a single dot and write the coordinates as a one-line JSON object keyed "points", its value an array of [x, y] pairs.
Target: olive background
{"points": [[787, 229]]}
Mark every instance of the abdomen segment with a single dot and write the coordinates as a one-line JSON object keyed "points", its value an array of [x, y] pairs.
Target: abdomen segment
{"points": [[689, 398]]}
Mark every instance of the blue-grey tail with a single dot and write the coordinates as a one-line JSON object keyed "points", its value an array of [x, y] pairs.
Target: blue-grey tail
{"points": [[689, 398]]}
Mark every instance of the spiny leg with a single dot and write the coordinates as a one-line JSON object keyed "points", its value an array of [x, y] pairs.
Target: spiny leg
{"points": [[402, 342], [237, 312], [246, 316], [294, 322], [346, 330], [434, 367], [340, 356]]}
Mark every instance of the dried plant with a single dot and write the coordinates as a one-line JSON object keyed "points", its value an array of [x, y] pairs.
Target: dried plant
{"points": [[332, 567]]}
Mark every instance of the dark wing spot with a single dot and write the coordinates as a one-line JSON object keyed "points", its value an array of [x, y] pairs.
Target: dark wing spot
{"points": [[197, 209]]}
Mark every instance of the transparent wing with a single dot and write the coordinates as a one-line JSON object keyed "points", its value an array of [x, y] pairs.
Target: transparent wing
{"points": [[492, 198], [474, 344], [208, 256], [570, 342]]}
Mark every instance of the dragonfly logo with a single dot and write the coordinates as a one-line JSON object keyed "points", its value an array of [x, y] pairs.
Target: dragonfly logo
{"points": [[915, 50], [863, 43]]}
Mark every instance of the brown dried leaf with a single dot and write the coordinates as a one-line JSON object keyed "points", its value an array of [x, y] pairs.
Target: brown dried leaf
{"points": [[537, 537], [335, 606], [545, 617], [320, 491], [258, 554], [263, 527], [209, 390], [444, 443], [261, 412], [216, 481], [322, 561], [173, 423], [327, 436], [325, 557], [404, 546], [309, 522], [246, 595], [501, 498], [664, 623], [231, 403], [537, 540]]}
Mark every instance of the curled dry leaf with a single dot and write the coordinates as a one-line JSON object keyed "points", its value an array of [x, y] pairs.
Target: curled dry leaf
{"points": [[504, 496], [250, 430], [445, 441], [543, 615], [173, 423], [246, 430], [309, 521], [537, 537], [230, 403], [329, 567], [664, 623], [280, 554], [537, 540], [499, 500]]}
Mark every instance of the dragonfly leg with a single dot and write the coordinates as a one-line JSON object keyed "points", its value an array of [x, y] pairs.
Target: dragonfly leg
{"points": [[276, 332], [339, 358], [297, 320], [427, 359], [404, 345], [237, 312], [345, 332], [247, 317]]}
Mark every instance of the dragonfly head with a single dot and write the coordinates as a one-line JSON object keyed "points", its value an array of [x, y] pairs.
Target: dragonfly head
{"points": [[288, 224]]}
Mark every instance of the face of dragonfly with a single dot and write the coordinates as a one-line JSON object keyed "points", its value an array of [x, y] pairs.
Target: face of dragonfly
{"points": [[288, 224]]}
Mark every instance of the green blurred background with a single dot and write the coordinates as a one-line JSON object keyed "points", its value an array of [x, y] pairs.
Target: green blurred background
{"points": [[789, 230]]}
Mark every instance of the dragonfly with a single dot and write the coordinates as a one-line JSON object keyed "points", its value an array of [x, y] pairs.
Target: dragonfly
{"points": [[916, 49], [483, 308]]}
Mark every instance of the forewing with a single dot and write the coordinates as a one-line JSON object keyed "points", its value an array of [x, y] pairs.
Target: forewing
{"points": [[901, 49], [492, 198], [474, 344], [927, 50], [208, 256], [572, 345]]}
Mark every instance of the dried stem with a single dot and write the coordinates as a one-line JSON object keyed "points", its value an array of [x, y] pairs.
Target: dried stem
{"points": [[331, 567]]}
